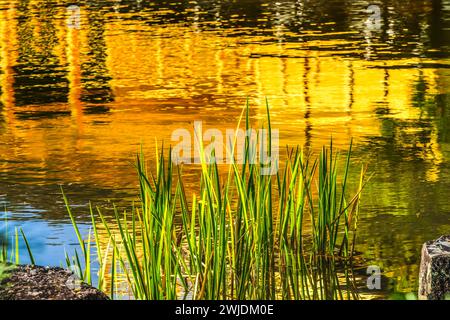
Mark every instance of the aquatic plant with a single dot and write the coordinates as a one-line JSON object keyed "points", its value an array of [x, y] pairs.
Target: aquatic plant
{"points": [[5, 269], [9, 250], [240, 235]]}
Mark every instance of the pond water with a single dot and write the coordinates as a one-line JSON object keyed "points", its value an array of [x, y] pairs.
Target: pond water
{"points": [[82, 87]]}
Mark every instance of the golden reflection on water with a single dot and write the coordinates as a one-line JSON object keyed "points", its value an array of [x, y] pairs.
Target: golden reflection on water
{"points": [[77, 102]]}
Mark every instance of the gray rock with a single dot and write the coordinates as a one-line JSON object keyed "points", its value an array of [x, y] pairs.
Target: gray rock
{"points": [[434, 276]]}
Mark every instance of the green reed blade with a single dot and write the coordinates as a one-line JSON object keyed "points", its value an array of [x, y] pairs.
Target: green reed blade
{"points": [[30, 253]]}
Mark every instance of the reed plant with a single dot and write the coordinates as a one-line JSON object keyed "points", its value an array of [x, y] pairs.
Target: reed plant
{"points": [[237, 235], [10, 250], [5, 270]]}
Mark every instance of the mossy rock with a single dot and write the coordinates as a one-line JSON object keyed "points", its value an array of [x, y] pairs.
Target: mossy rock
{"points": [[434, 277]]}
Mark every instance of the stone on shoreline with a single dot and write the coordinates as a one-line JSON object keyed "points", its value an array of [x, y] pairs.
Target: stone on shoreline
{"points": [[434, 277], [27, 282]]}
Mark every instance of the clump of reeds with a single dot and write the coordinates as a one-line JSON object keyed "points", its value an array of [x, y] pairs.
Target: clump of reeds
{"points": [[9, 247], [240, 235]]}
